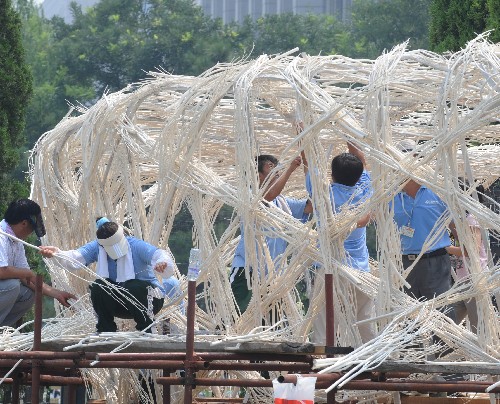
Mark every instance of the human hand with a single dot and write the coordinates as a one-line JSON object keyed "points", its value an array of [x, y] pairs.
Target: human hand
{"points": [[160, 267], [48, 251], [296, 162], [63, 297]]}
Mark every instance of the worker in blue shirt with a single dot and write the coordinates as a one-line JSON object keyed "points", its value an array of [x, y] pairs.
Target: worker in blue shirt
{"points": [[351, 186], [298, 208], [417, 209], [126, 286]]}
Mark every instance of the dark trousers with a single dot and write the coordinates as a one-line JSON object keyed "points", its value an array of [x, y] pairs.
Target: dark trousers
{"points": [[429, 278], [130, 301], [240, 289]]}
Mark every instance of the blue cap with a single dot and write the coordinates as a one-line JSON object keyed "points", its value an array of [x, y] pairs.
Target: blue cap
{"points": [[101, 221]]}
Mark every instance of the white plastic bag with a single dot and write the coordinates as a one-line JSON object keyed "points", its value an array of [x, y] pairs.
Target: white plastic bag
{"points": [[300, 393]]}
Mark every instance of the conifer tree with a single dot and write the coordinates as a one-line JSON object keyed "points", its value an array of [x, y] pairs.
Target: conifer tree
{"points": [[15, 91]]}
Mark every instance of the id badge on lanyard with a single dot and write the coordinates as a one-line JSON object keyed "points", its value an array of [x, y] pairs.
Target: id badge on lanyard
{"points": [[407, 231]]}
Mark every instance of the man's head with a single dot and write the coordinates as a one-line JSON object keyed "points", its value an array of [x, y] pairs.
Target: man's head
{"points": [[26, 215], [346, 169], [265, 163], [111, 237]]}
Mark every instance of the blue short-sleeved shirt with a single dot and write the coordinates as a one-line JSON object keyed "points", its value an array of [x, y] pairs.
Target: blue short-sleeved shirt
{"points": [[277, 246], [421, 214], [142, 254], [341, 196]]}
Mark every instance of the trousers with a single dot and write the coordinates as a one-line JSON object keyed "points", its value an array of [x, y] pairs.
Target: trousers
{"points": [[130, 301]]}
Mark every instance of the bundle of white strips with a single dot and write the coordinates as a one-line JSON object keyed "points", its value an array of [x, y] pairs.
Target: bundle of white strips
{"points": [[142, 153]]}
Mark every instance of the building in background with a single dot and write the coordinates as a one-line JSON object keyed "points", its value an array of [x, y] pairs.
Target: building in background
{"points": [[229, 10], [238, 10], [61, 8]]}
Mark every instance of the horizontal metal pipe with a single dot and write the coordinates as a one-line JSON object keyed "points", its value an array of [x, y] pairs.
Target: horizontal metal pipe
{"points": [[45, 355], [397, 385], [48, 380], [449, 387], [215, 382], [61, 380], [218, 400], [75, 364], [205, 356], [291, 367], [333, 377]]}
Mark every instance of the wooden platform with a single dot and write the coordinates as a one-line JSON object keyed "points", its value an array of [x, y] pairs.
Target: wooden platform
{"points": [[164, 344], [102, 344]]}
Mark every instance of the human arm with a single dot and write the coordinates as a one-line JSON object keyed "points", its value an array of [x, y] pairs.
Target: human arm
{"points": [[277, 186], [357, 152], [299, 127], [60, 295], [304, 162], [363, 221], [163, 263], [24, 274], [71, 259], [455, 250], [308, 209]]}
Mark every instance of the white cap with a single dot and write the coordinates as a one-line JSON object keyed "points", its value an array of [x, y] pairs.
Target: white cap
{"points": [[406, 145], [116, 246]]}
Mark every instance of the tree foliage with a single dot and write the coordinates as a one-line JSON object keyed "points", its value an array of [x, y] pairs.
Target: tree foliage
{"points": [[455, 22], [117, 41], [311, 33], [15, 85], [378, 26]]}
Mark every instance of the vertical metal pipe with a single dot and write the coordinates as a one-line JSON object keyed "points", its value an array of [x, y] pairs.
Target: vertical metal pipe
{"points": [[37, 341], [72, 393], [330, 327], [188, 388], [166, 388], [15, 390], [330, 324]]}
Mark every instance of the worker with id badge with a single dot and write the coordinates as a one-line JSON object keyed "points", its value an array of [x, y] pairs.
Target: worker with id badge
{"points": [[417, 210], [421, 216]]}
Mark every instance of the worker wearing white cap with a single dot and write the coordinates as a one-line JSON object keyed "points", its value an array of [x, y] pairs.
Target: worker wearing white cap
{"points": [[124, 262]]}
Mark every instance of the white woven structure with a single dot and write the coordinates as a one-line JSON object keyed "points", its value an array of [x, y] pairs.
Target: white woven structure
{"points": [[137, 155]]}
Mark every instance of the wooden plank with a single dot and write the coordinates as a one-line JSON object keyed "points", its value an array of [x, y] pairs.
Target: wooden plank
{"points": [[97, 344]]}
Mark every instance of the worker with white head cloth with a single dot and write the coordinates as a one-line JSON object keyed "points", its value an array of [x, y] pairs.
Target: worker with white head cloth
{"points": [[126, 286]]}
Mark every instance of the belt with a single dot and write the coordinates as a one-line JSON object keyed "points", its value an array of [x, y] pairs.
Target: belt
{"points": [[435, 253]]}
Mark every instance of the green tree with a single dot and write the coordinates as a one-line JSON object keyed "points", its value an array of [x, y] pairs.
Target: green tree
{"points": [[311, 33], [15, 85], [114, 43], [383, 24], [53, 85], [455, 22], [494, 19], [181, 39]]}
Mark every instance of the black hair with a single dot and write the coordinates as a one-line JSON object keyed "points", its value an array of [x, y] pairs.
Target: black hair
{"points": [[22, 209], [263, 159], [346, 169], [106, 230]]}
